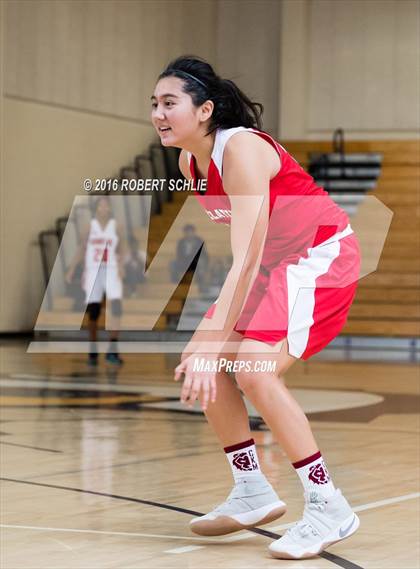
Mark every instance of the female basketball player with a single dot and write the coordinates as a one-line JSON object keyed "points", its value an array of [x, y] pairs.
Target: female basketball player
{"points": [[287, 295], [101, 250]]}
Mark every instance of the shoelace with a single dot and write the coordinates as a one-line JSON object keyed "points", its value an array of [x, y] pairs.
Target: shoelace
{"points": [[303, 527]]}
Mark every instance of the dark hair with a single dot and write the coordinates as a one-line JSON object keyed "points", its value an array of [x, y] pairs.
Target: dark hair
{"points": [[98, 200], [231, 106]]}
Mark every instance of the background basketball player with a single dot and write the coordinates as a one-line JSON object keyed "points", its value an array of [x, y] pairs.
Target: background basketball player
{"points": [[101, 249]]}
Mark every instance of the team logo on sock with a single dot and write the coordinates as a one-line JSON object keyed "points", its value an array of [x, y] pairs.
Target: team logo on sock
{"points": [[245, 461], [318, 474]]}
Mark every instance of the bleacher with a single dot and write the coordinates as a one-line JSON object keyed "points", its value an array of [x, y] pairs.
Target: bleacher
{"points": [[387, 301]]}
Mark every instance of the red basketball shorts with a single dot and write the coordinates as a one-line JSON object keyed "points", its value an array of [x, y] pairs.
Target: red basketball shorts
{"points": [[305, 299]]}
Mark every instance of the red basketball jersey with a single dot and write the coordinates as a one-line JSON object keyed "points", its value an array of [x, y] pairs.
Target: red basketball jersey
{"points": [[310, 264], [302, 214]]}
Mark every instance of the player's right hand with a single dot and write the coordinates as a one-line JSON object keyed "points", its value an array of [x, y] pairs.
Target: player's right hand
{"points": [[197, 384]]}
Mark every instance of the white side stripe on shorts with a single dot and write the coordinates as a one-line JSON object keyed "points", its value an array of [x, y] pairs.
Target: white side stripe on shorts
{"points": [[301, 286]]}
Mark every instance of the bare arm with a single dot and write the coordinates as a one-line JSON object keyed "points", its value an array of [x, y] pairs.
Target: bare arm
{"points": [[246, 179]]}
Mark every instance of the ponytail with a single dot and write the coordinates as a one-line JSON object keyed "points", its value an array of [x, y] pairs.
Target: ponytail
{"points": [[231, 106]]}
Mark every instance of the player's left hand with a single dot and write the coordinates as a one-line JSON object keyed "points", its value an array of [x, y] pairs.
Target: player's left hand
{"points": [[198, 384]]}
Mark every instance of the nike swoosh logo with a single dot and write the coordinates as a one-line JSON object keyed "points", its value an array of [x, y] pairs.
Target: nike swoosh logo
{"points": [[343, 533]]}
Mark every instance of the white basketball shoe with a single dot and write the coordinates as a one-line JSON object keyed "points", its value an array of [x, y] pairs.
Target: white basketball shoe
{"points": [[252, 502], [324, 522]]}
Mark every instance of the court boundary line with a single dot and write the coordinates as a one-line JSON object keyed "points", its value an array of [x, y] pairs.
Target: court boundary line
{"points": [[336, 559], [169, 394], [29, 446], [353, 427], [103, 532], [189, 548]]}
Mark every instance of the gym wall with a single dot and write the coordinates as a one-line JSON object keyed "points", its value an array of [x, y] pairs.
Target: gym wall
{"points": [[76, 104], [352, 64]]}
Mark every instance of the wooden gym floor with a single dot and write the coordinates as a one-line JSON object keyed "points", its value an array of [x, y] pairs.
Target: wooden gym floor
{"points": [[102, 470]]}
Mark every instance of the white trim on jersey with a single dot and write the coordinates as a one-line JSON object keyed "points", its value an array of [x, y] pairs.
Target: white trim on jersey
{"points": [[221, 138]]}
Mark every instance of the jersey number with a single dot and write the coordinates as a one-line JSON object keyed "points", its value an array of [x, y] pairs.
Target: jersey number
{"points": [[100, 255]]}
